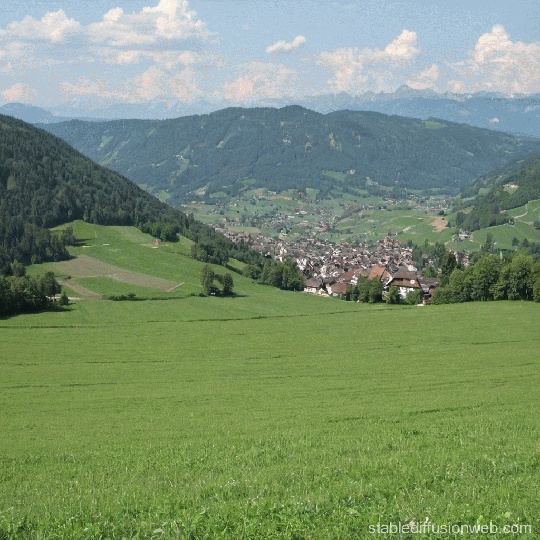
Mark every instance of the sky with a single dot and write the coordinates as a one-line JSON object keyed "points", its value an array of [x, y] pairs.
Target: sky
{"points": [[240, 52]]}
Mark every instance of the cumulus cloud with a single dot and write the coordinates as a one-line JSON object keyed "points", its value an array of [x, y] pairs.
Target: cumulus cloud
{"points": [[358, 70], [155, 41], [284, 46], [156, 83], [170, 20], [499, 64], [20, 92], [260, 80], [53, 27], [427, 78]]}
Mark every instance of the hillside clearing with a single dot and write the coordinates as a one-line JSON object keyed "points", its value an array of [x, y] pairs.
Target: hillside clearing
{"points": [[439, 224], [84, 266]]}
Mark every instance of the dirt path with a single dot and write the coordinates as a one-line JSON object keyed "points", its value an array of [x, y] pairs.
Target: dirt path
{"points": [[86, 266], [526, 212], [83, 292]]}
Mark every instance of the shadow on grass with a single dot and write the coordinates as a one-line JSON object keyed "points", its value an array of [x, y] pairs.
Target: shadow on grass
{"points": [[53, 309]]}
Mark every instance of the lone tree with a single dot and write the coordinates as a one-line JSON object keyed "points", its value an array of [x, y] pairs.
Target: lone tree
{"points": [[228, 284], [207, 278]]}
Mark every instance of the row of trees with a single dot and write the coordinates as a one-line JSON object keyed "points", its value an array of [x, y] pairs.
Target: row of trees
{"points": [[371, 291], [492, 278], [365, 291]]}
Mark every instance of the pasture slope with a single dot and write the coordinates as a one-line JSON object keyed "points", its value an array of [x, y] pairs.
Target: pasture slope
{"points": [[268, 415]]}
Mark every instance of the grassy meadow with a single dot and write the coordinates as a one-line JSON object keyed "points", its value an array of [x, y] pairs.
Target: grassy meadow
{"points": [[268, 415]]}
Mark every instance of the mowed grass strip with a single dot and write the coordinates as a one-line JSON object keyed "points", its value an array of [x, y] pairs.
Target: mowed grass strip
{"points": [[311, 425]]}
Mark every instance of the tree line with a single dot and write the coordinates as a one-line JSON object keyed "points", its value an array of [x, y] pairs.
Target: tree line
{"points": [[492, 278], [284, 275]]}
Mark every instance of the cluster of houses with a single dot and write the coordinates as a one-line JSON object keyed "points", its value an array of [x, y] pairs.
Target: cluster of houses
{"points": [[330, 269], [405, 278]]}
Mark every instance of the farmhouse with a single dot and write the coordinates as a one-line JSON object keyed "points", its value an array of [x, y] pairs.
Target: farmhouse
{"points": [[406, 282], [313, 285]]}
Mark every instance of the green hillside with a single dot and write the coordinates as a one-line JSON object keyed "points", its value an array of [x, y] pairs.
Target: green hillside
{"points": [[45, 183], [269, 415], [508, 188], [194, 157]]}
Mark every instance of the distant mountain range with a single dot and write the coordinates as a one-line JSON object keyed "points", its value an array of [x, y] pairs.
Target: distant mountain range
{"points": [[37, 115], [516, 114], [292, 147]]}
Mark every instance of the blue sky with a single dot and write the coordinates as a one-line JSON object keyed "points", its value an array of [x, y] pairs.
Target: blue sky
{"points": [[54, 52]]}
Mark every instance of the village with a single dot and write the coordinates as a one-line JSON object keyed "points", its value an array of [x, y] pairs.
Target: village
{"points": [[330, 269]]}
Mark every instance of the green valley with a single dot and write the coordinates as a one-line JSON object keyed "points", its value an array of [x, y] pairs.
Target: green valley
{"points": [[269, 415]]}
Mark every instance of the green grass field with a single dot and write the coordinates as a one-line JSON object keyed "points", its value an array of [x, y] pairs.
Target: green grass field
{"points": [[268, 415]]}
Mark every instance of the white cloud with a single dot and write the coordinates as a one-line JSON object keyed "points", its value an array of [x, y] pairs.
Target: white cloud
{"points": [[53, 27], [499, 64], [358, 70], [426, 79], [404, 47], [260, 80], [123, 56], [170, 20], [156, 83], [167, 59], [20, 92], [284, 46], [85, 87]]}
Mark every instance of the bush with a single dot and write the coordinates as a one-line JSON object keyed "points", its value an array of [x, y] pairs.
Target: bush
{"points": [[393, 296], [413, 298]]}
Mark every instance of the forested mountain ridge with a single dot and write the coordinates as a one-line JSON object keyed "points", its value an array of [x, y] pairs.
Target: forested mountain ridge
{"points": [[291, 147], [509, 187], [44, 182]]}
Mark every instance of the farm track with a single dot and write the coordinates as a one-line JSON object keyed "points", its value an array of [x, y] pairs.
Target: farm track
{"points": [[83, 292]]}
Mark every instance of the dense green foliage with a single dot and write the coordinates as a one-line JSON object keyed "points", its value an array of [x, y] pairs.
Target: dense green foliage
{"points": [[510, 187], [285, 275], [208, 276], [365, 290], [24, 294], [44, 183], [198, 156], [492, 278]]}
